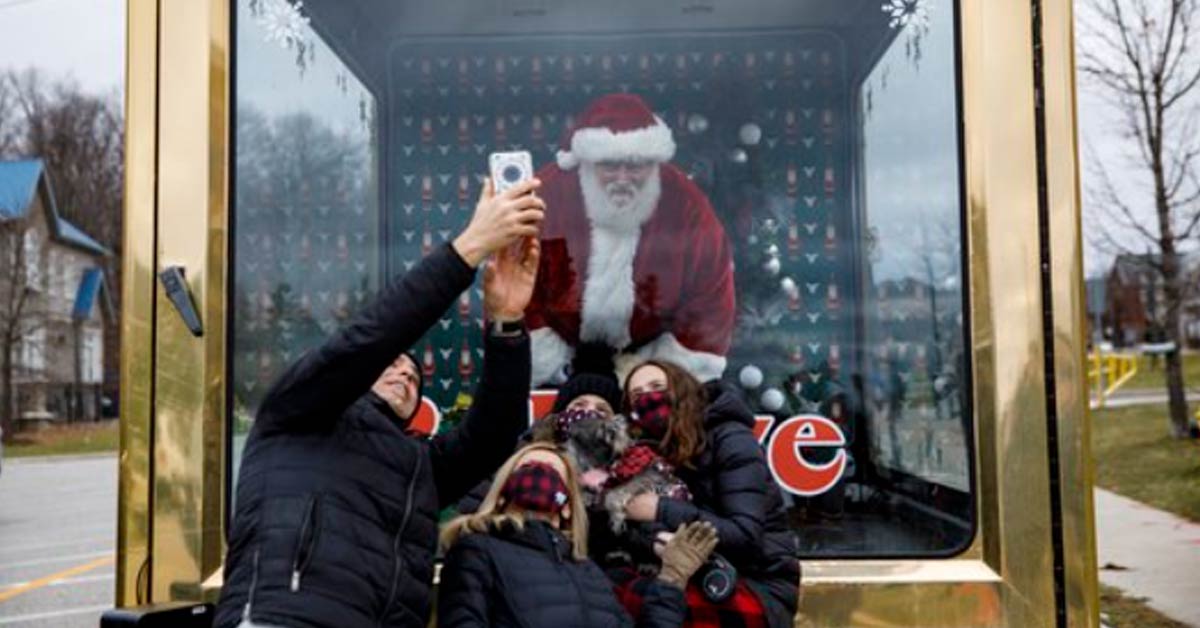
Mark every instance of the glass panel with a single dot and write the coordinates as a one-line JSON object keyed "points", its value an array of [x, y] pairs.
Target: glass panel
{"points": [[306, 208], [791, 221]]}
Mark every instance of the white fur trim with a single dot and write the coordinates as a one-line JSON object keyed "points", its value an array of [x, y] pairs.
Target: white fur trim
{"points": [[653, 143], [703, 365], [608, 293], [550, 354], [566, 160], [608, 287]]}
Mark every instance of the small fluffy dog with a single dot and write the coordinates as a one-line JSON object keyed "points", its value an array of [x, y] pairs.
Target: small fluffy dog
{"points": [[629, 469]]}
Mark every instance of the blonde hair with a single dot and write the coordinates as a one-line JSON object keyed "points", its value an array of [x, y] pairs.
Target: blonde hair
{"points": [[489, 516]]}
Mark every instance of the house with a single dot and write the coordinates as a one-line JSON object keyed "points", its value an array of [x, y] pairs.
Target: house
{"points": [[1136, 303], [58, 364]]}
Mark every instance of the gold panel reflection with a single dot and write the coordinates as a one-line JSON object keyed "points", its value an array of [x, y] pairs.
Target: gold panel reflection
{"points": [[1069, 306], [190, 372], [137, 299]]}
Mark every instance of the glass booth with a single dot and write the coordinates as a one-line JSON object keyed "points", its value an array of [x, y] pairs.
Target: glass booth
{"points": [[850, 222]]}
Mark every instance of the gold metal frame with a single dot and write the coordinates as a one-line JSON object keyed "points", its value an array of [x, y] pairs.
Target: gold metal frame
{"points": [[173, 387], [177, 214], [137, 298]]}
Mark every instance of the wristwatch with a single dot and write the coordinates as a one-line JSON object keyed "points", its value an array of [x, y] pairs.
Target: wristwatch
{"points": [[507, 329]]}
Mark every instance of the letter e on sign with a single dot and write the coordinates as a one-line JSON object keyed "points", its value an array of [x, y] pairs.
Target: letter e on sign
{"points": [[791, 470]]}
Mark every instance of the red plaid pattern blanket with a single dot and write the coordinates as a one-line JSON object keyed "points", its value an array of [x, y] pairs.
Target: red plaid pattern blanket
{"points": [[742, 610]]}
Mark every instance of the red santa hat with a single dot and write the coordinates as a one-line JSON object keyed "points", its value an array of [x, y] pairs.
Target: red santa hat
{"points": [[616, 127]]}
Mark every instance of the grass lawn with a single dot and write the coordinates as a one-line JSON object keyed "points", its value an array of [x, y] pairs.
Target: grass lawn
{"points": [[1136, 457], [1147, 377], [1118, 610], [83, 438]]}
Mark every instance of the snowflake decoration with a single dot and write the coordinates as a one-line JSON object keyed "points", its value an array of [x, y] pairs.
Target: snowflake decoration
{"points": [[283, 22], [912, 14]]}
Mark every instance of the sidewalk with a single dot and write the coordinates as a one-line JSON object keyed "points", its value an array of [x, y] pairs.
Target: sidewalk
{"points": [[1142, 396], [1149, 553]]}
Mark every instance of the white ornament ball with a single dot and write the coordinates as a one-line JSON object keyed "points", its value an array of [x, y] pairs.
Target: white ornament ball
{"points": [[752, 240], [772, 400], [739, 156], [772, 266], [773, 250], [750, 376], [697, 124], [750, 134], [788, 285]]}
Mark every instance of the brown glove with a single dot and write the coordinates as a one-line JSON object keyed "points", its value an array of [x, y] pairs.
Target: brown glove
{"points": [[686, 552]]}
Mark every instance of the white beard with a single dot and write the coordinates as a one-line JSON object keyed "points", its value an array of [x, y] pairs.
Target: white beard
{"points": [[605, 214], [608, 292]]}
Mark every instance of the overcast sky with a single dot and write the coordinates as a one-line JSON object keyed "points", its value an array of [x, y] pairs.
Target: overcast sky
{"points": [[85, 39], [81, 38]]}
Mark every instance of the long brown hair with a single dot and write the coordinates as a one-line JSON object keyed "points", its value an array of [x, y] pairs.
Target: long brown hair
{"points": [[685, 434], [490, 515]]}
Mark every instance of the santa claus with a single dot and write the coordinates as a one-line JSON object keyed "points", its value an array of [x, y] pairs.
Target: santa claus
{"points": [[633, 255]]}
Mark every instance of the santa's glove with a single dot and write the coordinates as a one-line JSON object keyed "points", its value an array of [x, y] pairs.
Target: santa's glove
{"points": [[687, 550]]}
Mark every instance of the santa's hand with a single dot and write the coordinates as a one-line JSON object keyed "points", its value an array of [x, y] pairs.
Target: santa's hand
{"points": [[500, 220]]}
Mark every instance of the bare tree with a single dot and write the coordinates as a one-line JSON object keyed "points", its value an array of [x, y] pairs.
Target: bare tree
{"points": [[80, 137], [1143, 57], [20, 312], [8, 119]]}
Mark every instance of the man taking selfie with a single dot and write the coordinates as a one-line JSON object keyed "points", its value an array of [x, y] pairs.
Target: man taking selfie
{"points": [[335, 521]]}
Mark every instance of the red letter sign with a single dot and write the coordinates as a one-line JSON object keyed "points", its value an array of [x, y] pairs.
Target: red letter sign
{"points": [[427, 419], [791, 470]]}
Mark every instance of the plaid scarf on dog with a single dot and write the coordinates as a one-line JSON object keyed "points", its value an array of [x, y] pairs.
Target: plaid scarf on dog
{"points": [[637, 459]]}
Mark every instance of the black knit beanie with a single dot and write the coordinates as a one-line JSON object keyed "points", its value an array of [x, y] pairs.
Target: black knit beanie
{"points": [[592, 373]]}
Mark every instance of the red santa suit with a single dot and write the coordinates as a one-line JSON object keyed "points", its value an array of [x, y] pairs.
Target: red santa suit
{"points": [[655, 282]]}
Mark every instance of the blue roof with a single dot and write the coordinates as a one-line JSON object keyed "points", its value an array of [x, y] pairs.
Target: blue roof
{"points": [[89, 290], [74, 235], [18, 182]]}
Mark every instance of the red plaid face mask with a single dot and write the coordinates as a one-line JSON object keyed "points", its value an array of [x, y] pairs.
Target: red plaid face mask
{"points": [[651, 416], [536, 487]]}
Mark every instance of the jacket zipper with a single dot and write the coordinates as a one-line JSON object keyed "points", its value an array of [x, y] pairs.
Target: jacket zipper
{"points": [[396, 542], [583, 605], [253, 586], [304, 544]]}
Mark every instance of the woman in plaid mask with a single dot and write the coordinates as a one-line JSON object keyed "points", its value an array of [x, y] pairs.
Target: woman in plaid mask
{"points": [[705, 432], [521, 560]]}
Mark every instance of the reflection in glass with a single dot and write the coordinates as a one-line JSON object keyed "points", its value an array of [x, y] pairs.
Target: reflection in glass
{"points": [[305, 203]]}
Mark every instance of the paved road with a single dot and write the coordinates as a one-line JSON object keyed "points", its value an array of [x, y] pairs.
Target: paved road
{"points": [[57, 534]]}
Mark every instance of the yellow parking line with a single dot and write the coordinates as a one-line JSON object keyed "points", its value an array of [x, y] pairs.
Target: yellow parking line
{"points": [[54, 577]]}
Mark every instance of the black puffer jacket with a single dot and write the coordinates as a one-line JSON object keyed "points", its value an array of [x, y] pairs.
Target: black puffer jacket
{"points": [[527, 578], [336, 516], [732, 488]]}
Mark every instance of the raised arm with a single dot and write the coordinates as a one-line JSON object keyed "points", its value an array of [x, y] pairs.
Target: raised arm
{"points": [[500, 411], [313, 391]]}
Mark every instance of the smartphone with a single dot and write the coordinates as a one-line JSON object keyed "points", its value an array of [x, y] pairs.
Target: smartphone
{"points": [[509, 169]]}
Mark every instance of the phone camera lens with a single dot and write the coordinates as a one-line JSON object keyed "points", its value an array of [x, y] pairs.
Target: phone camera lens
{"points": [[511, 174]]}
